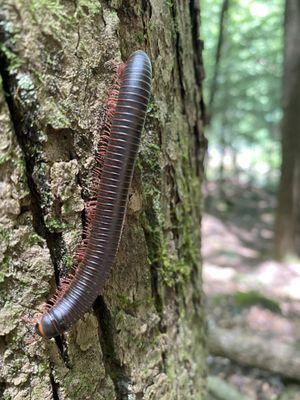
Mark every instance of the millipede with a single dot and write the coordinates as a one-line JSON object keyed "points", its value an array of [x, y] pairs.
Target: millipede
{"points": [[115, 158]]}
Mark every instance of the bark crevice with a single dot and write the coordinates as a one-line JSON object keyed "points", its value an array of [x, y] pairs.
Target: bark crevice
{"points": [[178, 56], [200, 140], [54, 386], [2, 389], [112, 364]]}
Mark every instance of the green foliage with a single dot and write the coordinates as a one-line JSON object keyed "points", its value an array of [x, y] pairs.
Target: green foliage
{"points": [[246, 112]]}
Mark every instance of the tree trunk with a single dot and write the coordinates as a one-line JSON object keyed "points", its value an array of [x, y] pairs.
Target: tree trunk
{"points": [[144, 338], [288, 207], [218, 56]]}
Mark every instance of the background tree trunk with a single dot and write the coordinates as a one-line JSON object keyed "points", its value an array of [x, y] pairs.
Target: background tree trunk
{"points": [[218, 56], [144, 338], [288, 197]]}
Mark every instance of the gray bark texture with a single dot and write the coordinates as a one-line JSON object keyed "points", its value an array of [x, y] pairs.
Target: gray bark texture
{"points": [[144, 338]]}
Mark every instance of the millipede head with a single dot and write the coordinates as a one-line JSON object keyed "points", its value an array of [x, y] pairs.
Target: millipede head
{"points": [[46, 327]]}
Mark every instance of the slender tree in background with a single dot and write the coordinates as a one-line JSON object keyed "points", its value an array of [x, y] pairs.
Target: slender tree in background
{"points": [[214, 88], [218, 55], [144, 338], [289, 189]]}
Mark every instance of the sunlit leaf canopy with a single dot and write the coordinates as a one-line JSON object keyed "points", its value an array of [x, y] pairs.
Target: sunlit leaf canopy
{"points": [[246, 111]]}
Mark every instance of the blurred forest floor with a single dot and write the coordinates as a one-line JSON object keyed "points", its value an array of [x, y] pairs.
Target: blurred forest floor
{"points": [[247, 291]]}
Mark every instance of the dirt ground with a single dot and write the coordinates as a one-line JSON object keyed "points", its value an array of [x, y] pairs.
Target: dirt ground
{"points": [[245, 288]]}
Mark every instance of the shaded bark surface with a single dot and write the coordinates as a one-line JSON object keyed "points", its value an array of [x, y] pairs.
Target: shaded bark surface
{"points": [[289, 193], [144, 338]]}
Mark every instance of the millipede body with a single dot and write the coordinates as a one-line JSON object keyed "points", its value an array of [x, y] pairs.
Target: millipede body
{"points": [[105, 228]]}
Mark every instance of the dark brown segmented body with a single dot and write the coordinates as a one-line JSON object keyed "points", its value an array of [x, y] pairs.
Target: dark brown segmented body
{"points": [[92, 272]]}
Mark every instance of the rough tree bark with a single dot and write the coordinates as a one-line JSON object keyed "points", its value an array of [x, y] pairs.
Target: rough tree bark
{"points": [[144, 338], [289, 190]]}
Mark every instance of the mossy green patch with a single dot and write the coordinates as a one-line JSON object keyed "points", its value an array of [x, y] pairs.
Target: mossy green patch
{"points": [[55, 225], [173, 258], [140, 38], [14, 62], [55, 115], [5, 157], [4, 234], [173, 272], [252, 298], [61, 13], [130, 305], [2, 277], [34, 239], [54, 7], [68, 261], [88, 8], [6, 263]]}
